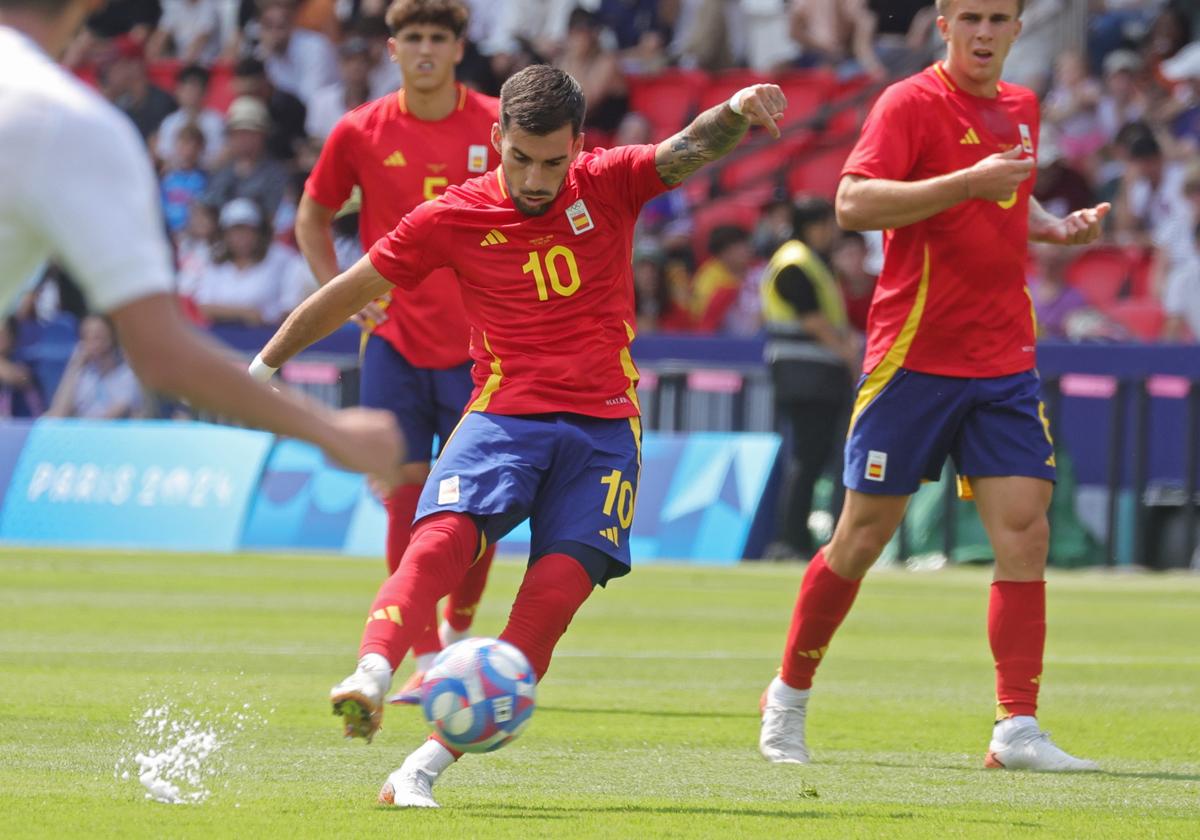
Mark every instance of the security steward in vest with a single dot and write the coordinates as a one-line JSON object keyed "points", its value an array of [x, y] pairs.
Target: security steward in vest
{"points": [[814, 358]]}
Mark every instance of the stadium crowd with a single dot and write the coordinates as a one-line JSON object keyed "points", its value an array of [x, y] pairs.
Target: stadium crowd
{"points": [[235, 97]]}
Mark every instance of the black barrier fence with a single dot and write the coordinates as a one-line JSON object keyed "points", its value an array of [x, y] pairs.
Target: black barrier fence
{"points": [[1161, 527]]}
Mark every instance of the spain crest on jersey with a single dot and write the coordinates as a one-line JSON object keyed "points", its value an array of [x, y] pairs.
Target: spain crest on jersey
{"points": [[477, 158], [1026, 139], [580, 218]]}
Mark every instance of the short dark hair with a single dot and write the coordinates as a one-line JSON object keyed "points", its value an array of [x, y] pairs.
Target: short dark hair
{"points": [[1144, 147], [809, 210], [451, 14], [249, 66], [943, 6], [190, 73], [724, 237], [191, 131], [542, 99]]}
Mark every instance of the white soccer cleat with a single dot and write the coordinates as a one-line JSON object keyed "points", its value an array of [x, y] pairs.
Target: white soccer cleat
{"points": [[412, 785], [1020, 744], [781, 739], [358, 699], [449, 635]]}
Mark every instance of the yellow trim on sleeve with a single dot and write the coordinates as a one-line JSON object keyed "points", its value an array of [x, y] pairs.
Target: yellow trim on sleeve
{"points": [[894, 358]]}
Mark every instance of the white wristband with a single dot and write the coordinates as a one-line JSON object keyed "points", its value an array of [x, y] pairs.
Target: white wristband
{"points": [[260, 370], [733, 105]]}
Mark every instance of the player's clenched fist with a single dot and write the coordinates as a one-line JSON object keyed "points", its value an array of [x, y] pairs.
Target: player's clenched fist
{"points": [[761, 105], [997, 177]]}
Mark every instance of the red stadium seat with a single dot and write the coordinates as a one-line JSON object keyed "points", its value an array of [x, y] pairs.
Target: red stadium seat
{"points": [[721, 86], [769, 164], [1101, 274], [742, 211], [1143, 317], [818, 172], [806, 92], [667, 100]]}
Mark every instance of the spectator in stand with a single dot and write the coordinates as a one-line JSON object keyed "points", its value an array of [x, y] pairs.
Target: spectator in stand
{"points": [[251, 281], [298, 61], [97, 383], [250, 173], [353, 89], [1183, 71], [1181, 297], [195, 244], [652, 297], [191, 86], [718, 281], [287, 113], [849, 263], [1123, 100], [838, 33], [904, 32], [1177, 264], [1073, 108], [1054, 300], [769, 45], [124, 83], [1149, 192], [704, 35], [1046, 25], [189, 30], [598, 72], [385, 75], [1060, 187], [775, 221], [184, 181], [813, 357], [1169, 33], [19, 393]]}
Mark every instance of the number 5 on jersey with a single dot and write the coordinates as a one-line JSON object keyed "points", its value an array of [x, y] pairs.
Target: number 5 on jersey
{"points": [[555, 261]]}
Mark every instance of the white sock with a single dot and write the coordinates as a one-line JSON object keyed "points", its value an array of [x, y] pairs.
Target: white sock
{"points": [[378, 667], [425, 661], [780, 693], [1006, 727], [431, 757]]}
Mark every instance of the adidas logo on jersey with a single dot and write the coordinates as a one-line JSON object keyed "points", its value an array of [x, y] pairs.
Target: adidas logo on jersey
{"points": [[494, 237], [396, 158], [970, 138], [611, 534]]}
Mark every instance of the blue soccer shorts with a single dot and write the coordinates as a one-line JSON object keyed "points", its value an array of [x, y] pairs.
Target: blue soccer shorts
{"points": [[902, 431], [425, 401], [575, 478]]}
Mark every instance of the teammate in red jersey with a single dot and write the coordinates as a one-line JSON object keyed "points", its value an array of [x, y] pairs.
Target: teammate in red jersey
{"points": [[542, 248], [400, 151], [944, 165]]}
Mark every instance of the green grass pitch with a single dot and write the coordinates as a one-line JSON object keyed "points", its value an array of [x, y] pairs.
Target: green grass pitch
{"points": [[646, 725]]}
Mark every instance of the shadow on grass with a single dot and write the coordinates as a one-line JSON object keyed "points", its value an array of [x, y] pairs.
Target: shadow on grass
{"points": [[1162, 776], [1166, 777], [561, 812], [650, 713]]}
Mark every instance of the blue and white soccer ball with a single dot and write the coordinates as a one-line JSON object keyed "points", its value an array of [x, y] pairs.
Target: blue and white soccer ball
{"points": [[479, 694]]}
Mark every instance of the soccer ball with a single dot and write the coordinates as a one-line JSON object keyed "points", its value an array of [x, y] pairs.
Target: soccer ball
{"points": [[479, 694]]}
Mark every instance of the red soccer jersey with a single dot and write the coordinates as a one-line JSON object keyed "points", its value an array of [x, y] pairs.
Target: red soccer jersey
{"points": [[952, 298], [550, 297], [399, 161]]}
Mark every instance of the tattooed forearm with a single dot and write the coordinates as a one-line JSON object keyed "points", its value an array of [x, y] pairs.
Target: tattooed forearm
{"points": [[710, 136]]}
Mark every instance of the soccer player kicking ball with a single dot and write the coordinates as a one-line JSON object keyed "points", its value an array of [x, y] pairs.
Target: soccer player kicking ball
{"points": [[542, 248], [400, 150], [76, 185], [944, 165]]}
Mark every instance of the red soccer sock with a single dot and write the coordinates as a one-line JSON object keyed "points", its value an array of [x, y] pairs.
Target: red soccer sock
{"points": [[1017, 632], [825, 598], [401, 505], [442, 547], [463, 601], [555, 586]]}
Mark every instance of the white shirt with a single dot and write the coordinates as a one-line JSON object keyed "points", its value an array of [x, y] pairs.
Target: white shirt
{"points": [[309, 64], [75, 184], [211, 125], [187, 20], [97, 394], [272, 287], [326, 108]]}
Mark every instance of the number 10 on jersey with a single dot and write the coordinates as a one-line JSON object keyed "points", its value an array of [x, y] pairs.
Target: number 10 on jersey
{"points": [[552, 265]]}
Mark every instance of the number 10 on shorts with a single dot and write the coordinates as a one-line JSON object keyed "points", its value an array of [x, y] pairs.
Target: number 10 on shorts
{"points": [[620, 494]]}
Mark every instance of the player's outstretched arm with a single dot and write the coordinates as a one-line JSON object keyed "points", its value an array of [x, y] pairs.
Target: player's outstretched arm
{"points": [[879, 204], [169, 355], [323, 312], [1079, 228], [714, 133]]}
